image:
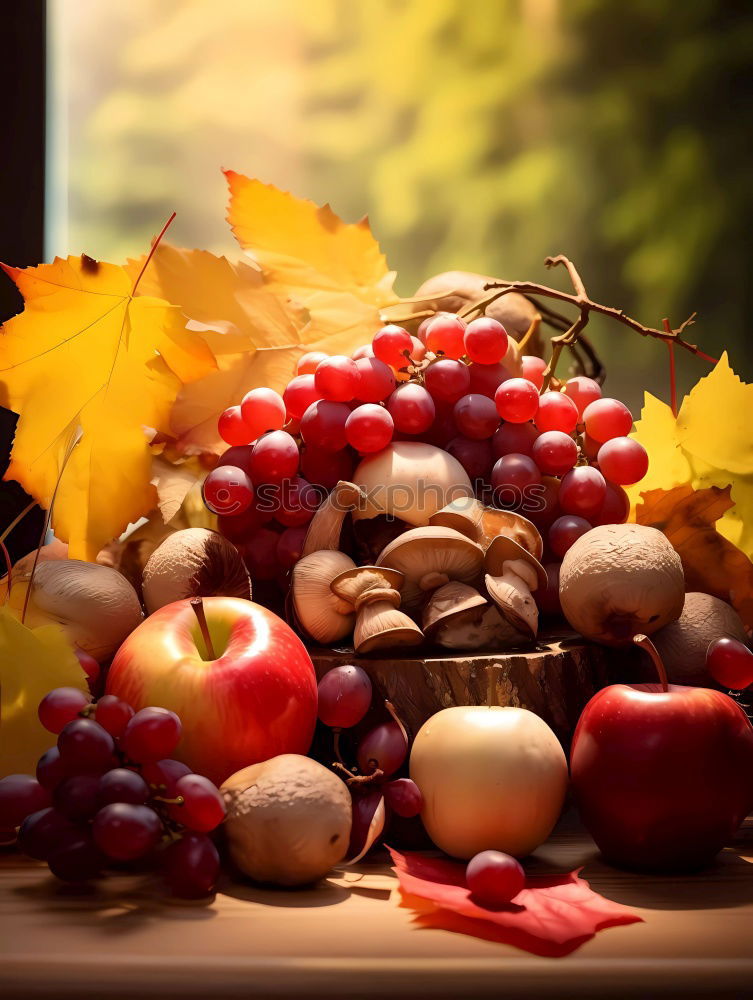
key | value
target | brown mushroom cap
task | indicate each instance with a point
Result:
(453, 599)
(483, 524)
(353, 583)
(430, 557)
(504, 549)
(321, 613)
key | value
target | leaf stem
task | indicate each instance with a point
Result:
(155, 243)
(17, 519)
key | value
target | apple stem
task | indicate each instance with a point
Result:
(198, 606)
(491, 689)
(645, 643)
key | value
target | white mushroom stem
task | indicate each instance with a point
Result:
(512, 594)
(326, 524)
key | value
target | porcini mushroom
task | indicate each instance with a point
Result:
(95, 605)
(512, 574)
(458, 617)
(429, 558)
(482, 524)
(326, 524)
(683, 643)
(321, 613)
(374, 593)
(619, 580)
(410, 480)
(193, 562)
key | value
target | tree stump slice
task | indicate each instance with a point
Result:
(554, 680)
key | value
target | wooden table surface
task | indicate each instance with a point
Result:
(123, 938)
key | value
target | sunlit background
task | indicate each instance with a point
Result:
(480, 134)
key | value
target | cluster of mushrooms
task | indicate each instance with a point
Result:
(463, 581)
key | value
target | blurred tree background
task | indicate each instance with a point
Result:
(480, 134)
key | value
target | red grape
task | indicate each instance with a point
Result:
(203, 808)
(542, 503)
(308, 363)
(590, 448)
(61, 706)
(730, 663)
(384, 747)
(50, 769)
(262, 410)
(443, 429)
(238, 455)
(485, 341)
(533, 369)
(20, 796)
(447, 380)
(90, 667)
(151, 734)
(228, 490)
(124, 831)
(476, 416)
(44, 831)
(566, 530)
(364, 351)
(475, 456)
(615, 508)
(275, 458)
(237, 528)
(323, 425)
(554, 452)
(163, 775)
(113, 714)
(298, 502)
(336, 379)
(494, 878)
(423, 328)
(290, 546)
(517, 400)
(76, 797)
(623, 461)
(376, 380)
(445, 335)
(392, 344)
(606, 419)
(344, 696)
(411, 408)
(85, 747)
(191, 866)
(76, 860)
(121, 785)
(300, 394)
(326, 468)
(369, 428)
(232, 427)
(259, 553)
(403, 797)
(548, 597)
(512, 476)
(582, 491)
(514, 438)
(556, 412)
(486, 379)
(582, 391)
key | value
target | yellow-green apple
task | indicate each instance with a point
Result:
(250, 696)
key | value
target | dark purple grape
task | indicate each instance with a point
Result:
(50, 769)
(124, 831)
(20, 796)
(151, 734)
(61, 706)
(85, 747)
(344, 696)
(384, 747)
(121, 785)
(403, 797)
(78, 860)
(76, 797)
(163, 775)
(43, 831)
(191, 866)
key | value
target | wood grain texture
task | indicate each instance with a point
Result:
(555, 680)
(344, 939)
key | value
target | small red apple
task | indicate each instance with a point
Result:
(662, 774)
(251, 697)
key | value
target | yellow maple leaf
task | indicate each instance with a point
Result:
(88, 361)
(335, 269)
(709, 444)
(255, 335)
(32, 662)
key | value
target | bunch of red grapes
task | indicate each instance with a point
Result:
(109, 793)
(560, 457)
(345, 695)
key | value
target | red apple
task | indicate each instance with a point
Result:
(251, 698)
(662, 774)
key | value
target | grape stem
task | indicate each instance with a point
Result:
(645, 643)
(391, 709)
(585, 305)
(177, 801)
(198, 607)
(336, 745)
(357, 779)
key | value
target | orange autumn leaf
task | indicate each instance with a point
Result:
(712, 564)
(89, 367)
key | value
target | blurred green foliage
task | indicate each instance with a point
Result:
(480, 134)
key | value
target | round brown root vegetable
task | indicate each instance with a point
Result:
(194, 562)
(683, 643)
(288, 820)
(621, 579)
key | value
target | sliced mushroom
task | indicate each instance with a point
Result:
(512, 574)
(321, 613)
(326, 524)
(459, 617)
(374, 593)
(483, 524)
(429, 558)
